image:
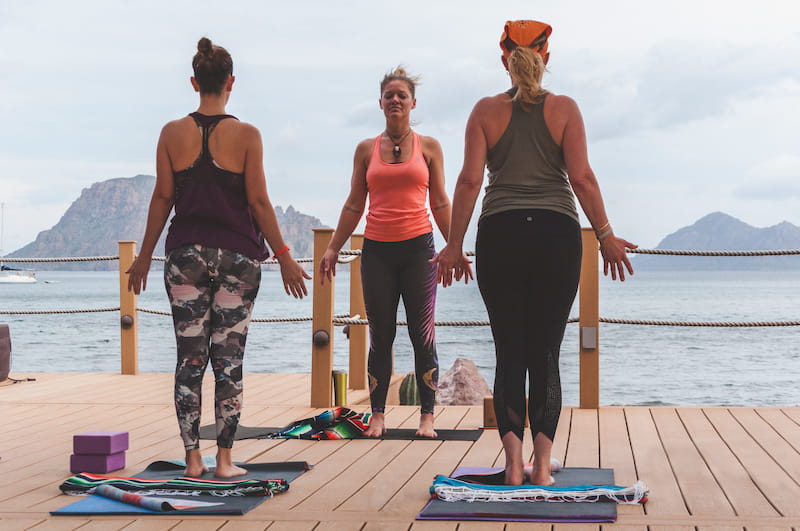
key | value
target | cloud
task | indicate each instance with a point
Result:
(776, 179)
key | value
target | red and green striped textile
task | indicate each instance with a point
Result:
(338, 423)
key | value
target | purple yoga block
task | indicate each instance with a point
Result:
(100, 442)
(98, 464)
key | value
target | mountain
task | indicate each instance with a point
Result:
(116, 209)
(717, 232)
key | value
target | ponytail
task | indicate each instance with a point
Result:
(526, 68)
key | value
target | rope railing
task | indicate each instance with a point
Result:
(357, 252)
(777, 252)
(348, 255)
(50, 312)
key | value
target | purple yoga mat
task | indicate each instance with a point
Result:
(526, 511)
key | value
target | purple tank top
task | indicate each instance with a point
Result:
(211, 204)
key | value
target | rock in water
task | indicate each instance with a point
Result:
(462, 385)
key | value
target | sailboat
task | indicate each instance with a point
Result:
(11, 275)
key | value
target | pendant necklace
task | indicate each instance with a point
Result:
(396, 151)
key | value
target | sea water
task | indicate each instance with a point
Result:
(639, 365)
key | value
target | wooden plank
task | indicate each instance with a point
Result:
(583, 449)
(150, 524)
(287, 525)
(435, 525)
(774, 443)
(375, 493)
(733, 479)
(413, 496)
(616, 453)
(18, 524)
(781, 490)
(652, 465)
(698, 485)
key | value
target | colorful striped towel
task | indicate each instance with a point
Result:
(337, 423)
(86, 483)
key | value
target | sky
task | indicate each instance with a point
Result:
(691, 107)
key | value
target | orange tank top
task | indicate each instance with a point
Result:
(397, 196)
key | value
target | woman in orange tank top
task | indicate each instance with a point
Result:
(400, 171)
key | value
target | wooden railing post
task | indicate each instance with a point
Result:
(589, 334)
(322, 329)
(128, 320)
(359, 334)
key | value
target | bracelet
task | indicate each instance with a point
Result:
(604, 226)
(284, 250)
(605, 234)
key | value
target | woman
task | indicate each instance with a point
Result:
(399, 170)
(528, 248)
(209, 167)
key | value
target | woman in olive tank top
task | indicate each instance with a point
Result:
(528, 247)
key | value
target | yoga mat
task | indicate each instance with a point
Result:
(529, 511)
(97, 504)
(244, 432)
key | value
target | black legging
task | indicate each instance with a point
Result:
(390, 270)
(528, 265)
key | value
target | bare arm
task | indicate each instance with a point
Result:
(264, 214)
(587, 190)
(352, 211)
(468, 188)
(161, 203)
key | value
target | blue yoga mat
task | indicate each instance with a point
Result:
(96, 504)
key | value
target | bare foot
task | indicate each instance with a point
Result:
(514, 476)
(194, 464)
(228, 471)
(376, 426)
(530, 473)
(545, 480)
(426, 426)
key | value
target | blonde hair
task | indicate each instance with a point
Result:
(526, 68)
(400, 74)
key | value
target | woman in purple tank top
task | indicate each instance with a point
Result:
(209, 168)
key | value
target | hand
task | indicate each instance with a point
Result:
(615, 256)
(451, 259)
(293, 275)
(327, 266)
(137, 273)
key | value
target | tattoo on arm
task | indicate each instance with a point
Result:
(439, 207)
(351, 209)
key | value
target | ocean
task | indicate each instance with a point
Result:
(640, 365)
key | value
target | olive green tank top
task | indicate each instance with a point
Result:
(526, 168)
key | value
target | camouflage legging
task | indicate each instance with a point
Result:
(211, 292)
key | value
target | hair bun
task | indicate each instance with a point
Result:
(204, 46)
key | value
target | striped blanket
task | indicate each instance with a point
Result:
(86, 483)
(337, 423)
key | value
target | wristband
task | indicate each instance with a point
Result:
(605, 234)
(284, 250)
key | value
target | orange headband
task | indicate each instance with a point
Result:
(530, 33)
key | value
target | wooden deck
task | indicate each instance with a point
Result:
(707, 468)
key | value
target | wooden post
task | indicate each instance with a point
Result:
(128, 320)
(359, 334)
(322, 329)
(589, 331)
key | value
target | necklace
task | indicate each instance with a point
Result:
(396, 151)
